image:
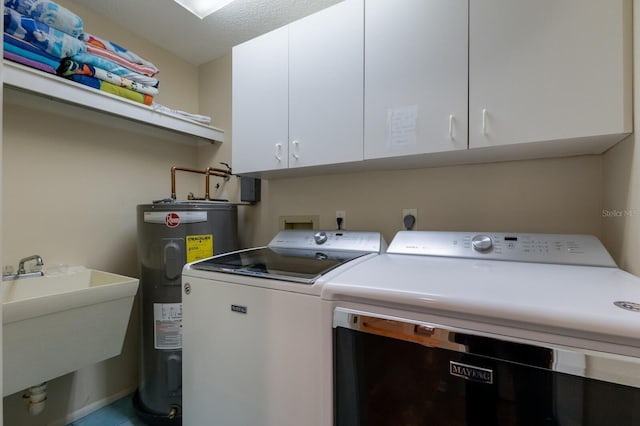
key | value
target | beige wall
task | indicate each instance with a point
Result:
(621, 165)
(621, 205)
(70, 194)
(215, 100)
(556, 195)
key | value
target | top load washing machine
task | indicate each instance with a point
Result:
(256, 341)
(456, 328)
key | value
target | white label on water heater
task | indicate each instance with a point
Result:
(184, 217)
(167, 318)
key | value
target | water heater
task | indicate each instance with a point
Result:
(171, 234)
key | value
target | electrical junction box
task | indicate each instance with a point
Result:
(250, 189)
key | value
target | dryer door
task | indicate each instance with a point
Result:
(395, 372)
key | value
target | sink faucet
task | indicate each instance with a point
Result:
(36, 271)
(38, 266)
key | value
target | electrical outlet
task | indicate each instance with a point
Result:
(406, 220)
(342, 215)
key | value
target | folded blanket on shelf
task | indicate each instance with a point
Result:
(28, 62)
(69, 67)
(86, 80)
(49, 13)
(142, 69)
(107, 65)
(112, 88)
(202, 119)
(120, 51)
(49, 39)
(23, 45)
(28, 54)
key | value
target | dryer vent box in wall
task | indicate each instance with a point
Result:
(249, 189)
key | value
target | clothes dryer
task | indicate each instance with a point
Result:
(455, 328)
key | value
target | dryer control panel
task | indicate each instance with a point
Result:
(540, 248)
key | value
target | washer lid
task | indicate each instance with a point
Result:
(301, 266)
(300, 256)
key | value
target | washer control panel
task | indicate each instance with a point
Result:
(370, 242)
(540, 248)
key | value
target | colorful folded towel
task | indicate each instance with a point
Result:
(70, 67)
(142, 69)
(28, 62)
(49, 13)
(119, 51)
(112, 88)
(27, 54)
(23, 45)
(107, 65)
(49, 39)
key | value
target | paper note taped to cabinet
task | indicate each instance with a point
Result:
(401, 126)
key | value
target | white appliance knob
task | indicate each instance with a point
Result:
(320, 237)
(482, 243)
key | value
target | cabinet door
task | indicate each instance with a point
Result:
(325, 86)
(260, 103)
(415, 77)
(547, 69)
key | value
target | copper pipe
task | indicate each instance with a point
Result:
(209, 171)
(212, 171)
(173, 177)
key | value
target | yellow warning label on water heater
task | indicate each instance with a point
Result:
(199, 247)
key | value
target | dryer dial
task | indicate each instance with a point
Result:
(481, 243)
(320, 237)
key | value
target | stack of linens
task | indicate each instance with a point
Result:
(44, 35)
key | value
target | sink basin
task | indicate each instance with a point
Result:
(61, 322)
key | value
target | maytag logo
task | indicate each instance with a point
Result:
(470, 372)
(238, 308)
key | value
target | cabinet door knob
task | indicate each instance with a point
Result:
(279, 151)
(484, 121)
(296, 147)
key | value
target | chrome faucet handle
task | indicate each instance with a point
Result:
(37, 267)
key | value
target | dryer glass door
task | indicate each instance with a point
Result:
(391, 372)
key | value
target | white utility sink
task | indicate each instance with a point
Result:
(61, 322)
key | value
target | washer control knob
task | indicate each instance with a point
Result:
(320, 237)
(481, 243)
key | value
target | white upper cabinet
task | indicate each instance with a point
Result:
(416, 73)
(260, 110)
(325, 86)
(546, 70)
(297, 93)
(411, 83)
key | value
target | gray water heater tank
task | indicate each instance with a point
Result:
(170, 235)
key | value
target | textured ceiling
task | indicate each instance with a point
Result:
(198, 41)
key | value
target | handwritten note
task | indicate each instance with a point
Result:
(401, 126)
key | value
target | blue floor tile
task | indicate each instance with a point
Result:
(118, 413)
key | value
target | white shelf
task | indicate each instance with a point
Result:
(27, 86)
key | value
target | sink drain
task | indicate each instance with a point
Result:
(629, 306)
